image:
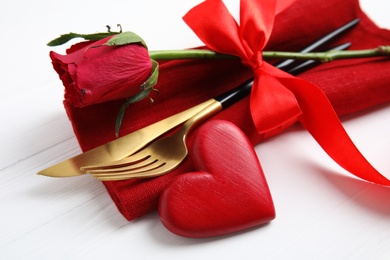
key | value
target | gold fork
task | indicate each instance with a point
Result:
(164, 154)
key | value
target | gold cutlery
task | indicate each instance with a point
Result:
(121, 147)
(164, 154)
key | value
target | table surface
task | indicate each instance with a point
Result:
(322, 211)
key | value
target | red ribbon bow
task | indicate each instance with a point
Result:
(277, 98)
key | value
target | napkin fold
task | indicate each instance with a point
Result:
(350, 85)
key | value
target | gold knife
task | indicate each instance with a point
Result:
(121, 147)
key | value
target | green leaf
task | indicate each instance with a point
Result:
(137, 97)
(64, 38)
(125, 38)
(152, 80)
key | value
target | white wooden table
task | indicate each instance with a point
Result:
(322, 212)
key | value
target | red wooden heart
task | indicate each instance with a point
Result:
(228, 192)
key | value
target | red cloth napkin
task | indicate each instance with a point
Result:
(351, 85)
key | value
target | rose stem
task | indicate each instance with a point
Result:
(320, 56)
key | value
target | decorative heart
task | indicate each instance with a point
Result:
(228, 192)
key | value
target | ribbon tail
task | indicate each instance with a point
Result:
(272, 105)
(320, 119)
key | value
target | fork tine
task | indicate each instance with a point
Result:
(164, 168)
(148, 163)
(132, 159)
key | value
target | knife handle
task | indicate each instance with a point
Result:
(318, 45)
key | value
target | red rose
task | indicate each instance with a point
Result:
(94, 73)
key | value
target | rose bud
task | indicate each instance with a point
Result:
(94, 72)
